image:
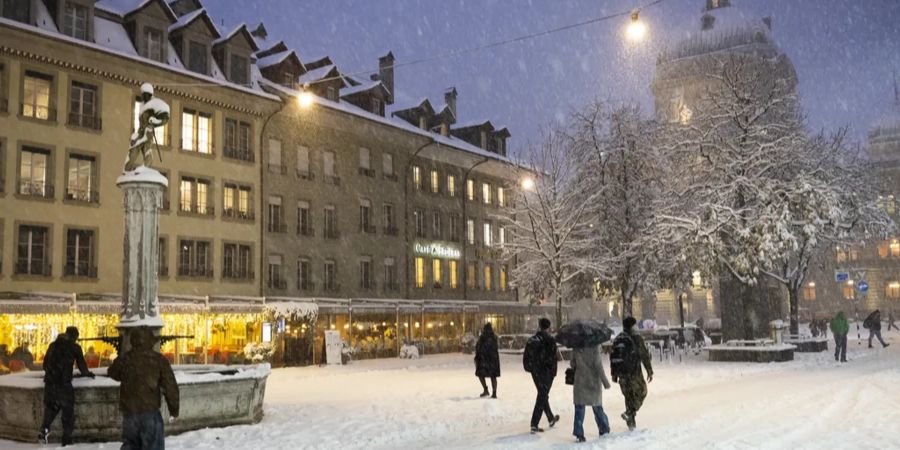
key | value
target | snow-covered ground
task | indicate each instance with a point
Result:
(432, 403)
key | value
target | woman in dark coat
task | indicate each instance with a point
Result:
(487, 359)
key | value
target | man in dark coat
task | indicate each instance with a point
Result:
(873, 323)
(143, 373)
(542, 361)
(59, 395)
(487, 359)
(634, 389)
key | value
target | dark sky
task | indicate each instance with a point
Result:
(844, 50)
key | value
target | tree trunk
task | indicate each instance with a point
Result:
(794, 304)
(627, 296)
(558, 293)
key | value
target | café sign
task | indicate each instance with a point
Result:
(437, 250)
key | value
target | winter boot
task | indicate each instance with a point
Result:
(554, 421)
(485, 394)
(579, 439)
(494, 395)
(536, 430)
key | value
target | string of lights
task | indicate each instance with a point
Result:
(636, 31)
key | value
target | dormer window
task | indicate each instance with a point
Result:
(198, 60)
(377, 106)
(20, 11)
(75, 21)
(287, 80)
(239, 70)
(152, 44)
(331, 93)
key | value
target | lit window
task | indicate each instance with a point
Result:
(470, 231)
(451, 185)
(696, 279)
(487, 234)
(36, 101)
(849, 290)
(892, 290)
(420, 273)
(486, 193)
(501, 197)
(488, 271)
(417, 177)
(435, 182)
(503, 285)
(454, 275)
(895, 248)
(470, 189)
(809, 291)
(196, 131)
(436, 273)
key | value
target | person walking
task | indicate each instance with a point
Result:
(839, 328)
(890, 321)
(629, 352)
(540, 359)
(59, 395)
(487, 360)
(143, 373)
(873, 323)
(590, 380)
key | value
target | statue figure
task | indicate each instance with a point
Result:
(153, 113)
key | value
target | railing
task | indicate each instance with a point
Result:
(370, 229)
(91, 122)
(237, 274)
(333, 179)
(80, 270)
(305, 231)
(332, 234)
(305, 175)
(277, 168)
(306, 286)
(24, 268)
(36, 189)
(276, 227)
(241, 154)
(38, 112)
(237, 214)
(193, 209)
(390, 231)
(277, 283)
(83, 195)
(196, 272)
(367, 172)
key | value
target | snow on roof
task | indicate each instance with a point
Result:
(187, 19)
(362, 87)
(273, 59)
(230, 34)
(473, 124)
(120, 7)
(316, 74)
(174, 61)
(112, 35)
(43, 19)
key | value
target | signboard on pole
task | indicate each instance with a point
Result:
(841, 276)
(862, 287)
(333, 346)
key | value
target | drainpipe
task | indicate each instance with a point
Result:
(465, 218)
(262, 195)
(407, 180)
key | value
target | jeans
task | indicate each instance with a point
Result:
(599, 417)
(60, 397)
(143, 431)
(542, 402)
(875, 333)
(840, 347)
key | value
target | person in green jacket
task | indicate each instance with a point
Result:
(840, 327)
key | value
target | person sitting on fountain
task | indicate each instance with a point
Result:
(143, 372)
(153, 113)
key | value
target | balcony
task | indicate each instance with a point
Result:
(195, 271)
(38, 112)
(276, 227)
(240, 154)
(306, 286)
(390, 230)
(277, 168)
(37, 268)
(199, 210)
(39, 189)
(305, 231)
(368, 229)
(367, 172)
(332, 234)
(237, 274)
(90, 122)
(305, 175)
(80, 270)
(277, 283)
(332, 179)
(233, 213)
(82, 195)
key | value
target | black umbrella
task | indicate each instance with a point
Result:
(583, 333)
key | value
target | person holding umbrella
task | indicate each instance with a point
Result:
(587, 363)
(487, 359)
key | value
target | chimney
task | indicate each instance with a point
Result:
(450, 99)
(386, 75)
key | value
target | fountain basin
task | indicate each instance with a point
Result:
(211, 396)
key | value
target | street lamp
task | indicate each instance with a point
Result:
(528, 184)
(305, 98)
(636, 29)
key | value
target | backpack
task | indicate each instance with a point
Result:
(533, 350)
(624, 360)
(867, 323)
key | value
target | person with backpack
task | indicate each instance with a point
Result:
(540, 359)
(873, 323)
(59, 395)
(628, 353)
(487, 360)
(840, 327)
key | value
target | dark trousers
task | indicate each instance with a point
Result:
(634, 388)
(840, 347)
(143, 431)
(60, 397)
(876, 332)
(542, 383)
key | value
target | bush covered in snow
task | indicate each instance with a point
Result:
(258, 353)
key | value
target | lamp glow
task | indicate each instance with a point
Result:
(305, 99)
(636, 29)
(528, 184)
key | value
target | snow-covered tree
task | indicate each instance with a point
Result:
(621, 171)
(548, 224)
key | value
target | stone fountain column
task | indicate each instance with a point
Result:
(143, 190)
